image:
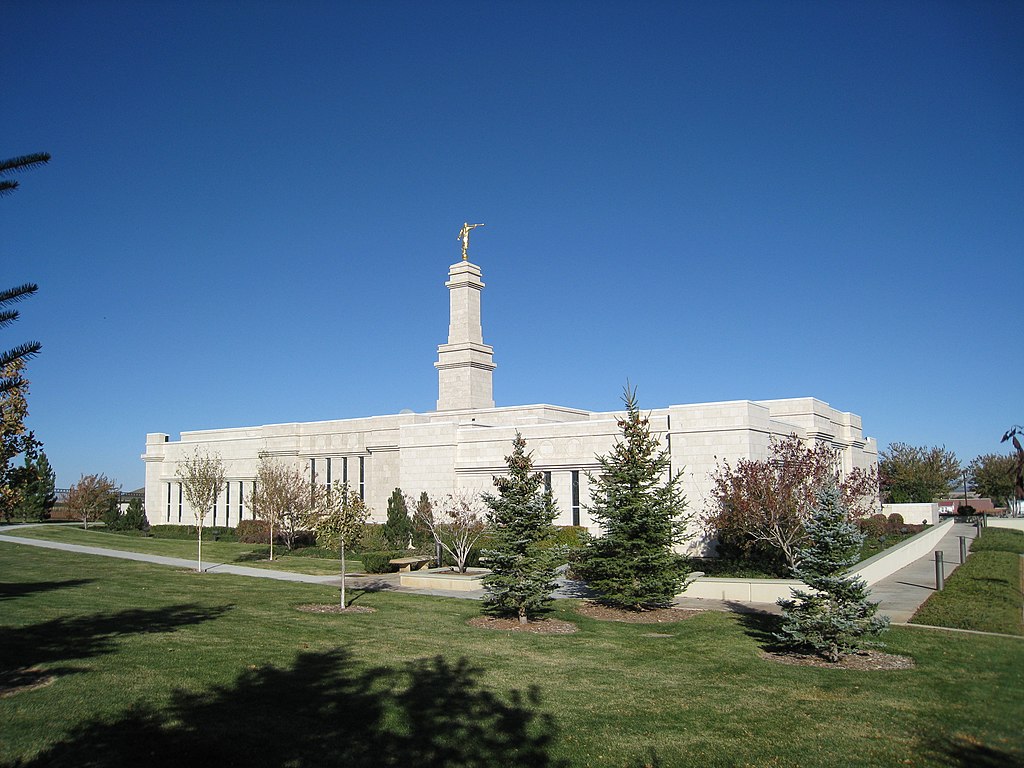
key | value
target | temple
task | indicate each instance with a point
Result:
(462, 444)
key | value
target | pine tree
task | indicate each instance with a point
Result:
(397, 530)
(29, 349)
(834, 619)
(40, 493)
(522, 557)
(637, 501)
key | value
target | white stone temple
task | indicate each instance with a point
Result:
(463, 443)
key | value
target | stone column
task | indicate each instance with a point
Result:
(465, 363)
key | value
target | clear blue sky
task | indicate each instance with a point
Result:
(252, 207)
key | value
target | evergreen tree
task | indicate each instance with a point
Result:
(397, 531)
(834, 619)
(29, 349)
(40, 493)
(637, 501)
(421, 536)
(522, 557)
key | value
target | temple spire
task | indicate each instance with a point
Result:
(464, 365)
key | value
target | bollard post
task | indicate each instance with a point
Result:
(963, 549)
(977, 524)
(437, 553)
(940, 577)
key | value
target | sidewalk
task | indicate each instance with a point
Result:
(899, 595)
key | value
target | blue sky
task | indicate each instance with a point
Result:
(252, 206)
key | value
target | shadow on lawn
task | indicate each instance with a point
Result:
(10, 591)
(759, 625)
(324, 711)
(86, 636)
(965, 752)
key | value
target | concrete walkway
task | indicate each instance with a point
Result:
(899, 595)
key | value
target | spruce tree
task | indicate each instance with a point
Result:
(397, 530)
(522, 557)
(638, 503)
(834, 619)
(40, 493)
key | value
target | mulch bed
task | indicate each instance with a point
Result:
(600, 612)
(538, 627)
(334, 608)
(865, 660)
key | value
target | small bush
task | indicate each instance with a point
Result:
(570, 536)
(874, 526)
(188, 532)
(895, 522)
(377, 562)
(373, 539)
(252, 532)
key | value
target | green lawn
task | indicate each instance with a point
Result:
(254, 555)
(159, 667)
(985, 592)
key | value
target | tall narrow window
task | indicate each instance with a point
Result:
(168, 502)
(547, 482)
(241, 493)
(214, 511)
(181, 496)
(575, 497)
(362, 477)
(344, 470)
(227, 503)
(312, 471)
(328, 470)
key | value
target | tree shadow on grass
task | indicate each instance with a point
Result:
(759, 625)
(964, 752)
(324, 711)
(12, 591)
(83, 637)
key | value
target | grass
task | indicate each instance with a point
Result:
(985, 593)
(252, 555)
(159, 667)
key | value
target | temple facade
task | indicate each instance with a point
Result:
(462, 444)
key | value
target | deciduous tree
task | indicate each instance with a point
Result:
(15, 440)
(992, 476)
(522, 556)
(1018, 471)
(641, 510)
(834, 616)
(202, 480)
(909, 473)
(455, 522)
(768, 501)
(284, 498)
(91, 497)
(339, 521)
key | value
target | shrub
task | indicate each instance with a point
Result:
(895, 522)
(377, 562)
(188, 532)
(874, 526)
(252, 532)
(373, 538)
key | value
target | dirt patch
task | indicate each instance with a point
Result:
(862, 661)
(17, 681)
(538, 627)
(600, 612)
(334, 608)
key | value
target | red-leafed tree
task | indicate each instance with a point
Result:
(767, 502)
